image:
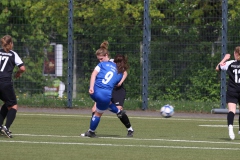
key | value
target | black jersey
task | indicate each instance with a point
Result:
(7, 63)
(233, 70)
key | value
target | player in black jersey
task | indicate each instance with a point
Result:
(233, 89)
(8, 60)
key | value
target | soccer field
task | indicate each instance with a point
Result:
(38, 136)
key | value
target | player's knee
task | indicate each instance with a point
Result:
(121, 114)
(120, 107)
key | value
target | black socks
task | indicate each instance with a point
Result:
(3, 114)
(230, 118)
(124, 119)
(10, 117)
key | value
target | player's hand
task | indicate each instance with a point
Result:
(91, 91)
(119, 84)
(17, 75)
(222, 63)
(227, 56)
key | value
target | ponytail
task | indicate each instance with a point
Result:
(103, 50)
(6, 42)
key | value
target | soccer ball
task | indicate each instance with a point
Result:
(167, 111)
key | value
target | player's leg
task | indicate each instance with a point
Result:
(118, 98)
(126, 122)
(102, 99)
(93, 109)
(11, 115)
(239, 122)
(95, 119)
(232, 100)
(99, 111)
(4, 110)
(230, 119)
(12, 111)
(3, 114)
(11, 102)
(238, 117)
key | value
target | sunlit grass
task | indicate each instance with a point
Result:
(55, 136)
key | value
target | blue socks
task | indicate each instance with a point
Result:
(113, 108)
(95, 120)
(94, 123)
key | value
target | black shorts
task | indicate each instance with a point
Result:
(233, 97)
(7, 94)
(118, 96)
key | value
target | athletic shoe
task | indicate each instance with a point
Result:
(5, 131)
(238, 132)
(2, 133)
(231, 133)
(89, 134)
(130, 133)
(121, 113)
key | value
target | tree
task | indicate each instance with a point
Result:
(182, 34)
(33, 25)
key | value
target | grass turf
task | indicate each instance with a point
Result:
(56, 136)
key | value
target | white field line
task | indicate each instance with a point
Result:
(133, 139)
(119, 145)
(220, 126)
(142, 118)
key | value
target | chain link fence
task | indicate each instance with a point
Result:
(185, 46)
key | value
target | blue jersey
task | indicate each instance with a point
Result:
(107, 76)
(106, 79)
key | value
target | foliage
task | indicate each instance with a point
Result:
(39, 24)
(204, 89)
(184, 42)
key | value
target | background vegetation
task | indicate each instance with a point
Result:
(185, 47)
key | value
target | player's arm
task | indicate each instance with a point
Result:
(125, 74)
(92, 81)
(21, 69)
(226, 57)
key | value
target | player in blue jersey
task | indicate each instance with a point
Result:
(8, 60)
(119, 92)
(233, 89)
(104, 78)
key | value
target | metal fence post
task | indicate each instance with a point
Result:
(146, 47)
(70, 54)
(224, 50)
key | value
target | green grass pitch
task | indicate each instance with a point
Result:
(40, 136)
